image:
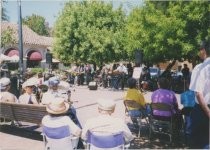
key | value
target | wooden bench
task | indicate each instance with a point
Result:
(22, 112)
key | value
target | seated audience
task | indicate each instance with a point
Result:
(28, 97)
(165, 95)
(54, 92)
(134, 94)
(105, 123)
(57, 119)
(5, 95)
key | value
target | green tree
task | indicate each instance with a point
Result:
(7, 38)
(168, 31)
(37, 24)
(90, 31)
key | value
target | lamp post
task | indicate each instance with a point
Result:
(20, 41)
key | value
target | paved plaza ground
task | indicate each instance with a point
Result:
(86, 106)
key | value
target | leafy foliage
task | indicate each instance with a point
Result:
(7, 37)
(90, 31)
(37, 24)
(168, 30)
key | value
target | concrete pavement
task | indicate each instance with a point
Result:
(86, 108)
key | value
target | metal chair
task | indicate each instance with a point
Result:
(137, 120)
(59, 138)
(158, 124)
(112, 141)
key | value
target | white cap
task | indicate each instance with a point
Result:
(106, 104)
(30, 82)
(4, 82)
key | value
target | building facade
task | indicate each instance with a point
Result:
(35, 46)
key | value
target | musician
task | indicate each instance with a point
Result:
(121, 72)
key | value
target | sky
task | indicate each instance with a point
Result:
(49, 9)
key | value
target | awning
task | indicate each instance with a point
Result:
(13, 52)
(35, 56)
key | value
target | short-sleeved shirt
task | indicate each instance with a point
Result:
(167, 97)
(105, 124)
(122, 69)
(194, 78)
(56, 122)
(136, 95)
(24, 98)
(203, 81)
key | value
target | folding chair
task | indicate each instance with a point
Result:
(161, 125)
(137, 120)
(112, 141)
(59, 138)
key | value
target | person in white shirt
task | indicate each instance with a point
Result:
(54, 92)
(201, 111)
(28, 97)
(58, 121)
(122, 72)
(105, 123)
(5, 95)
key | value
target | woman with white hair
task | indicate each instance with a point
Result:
(5, 95)
(105, 123)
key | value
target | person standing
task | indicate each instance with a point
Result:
(123, 71)
(200, 83)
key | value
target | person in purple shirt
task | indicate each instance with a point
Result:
(165, 95)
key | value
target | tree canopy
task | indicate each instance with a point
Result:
(168, 30)
(7, 38)
(93, 31)
(90, 31)
(37, 24)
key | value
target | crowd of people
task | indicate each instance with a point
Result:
(195, 99)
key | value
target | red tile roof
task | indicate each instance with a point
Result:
(29, 36)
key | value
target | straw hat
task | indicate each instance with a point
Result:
(106, 104)
(57, 106)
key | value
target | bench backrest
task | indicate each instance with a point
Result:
(22, 112)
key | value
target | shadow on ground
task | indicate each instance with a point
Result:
(23, 131)
(157, 141)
